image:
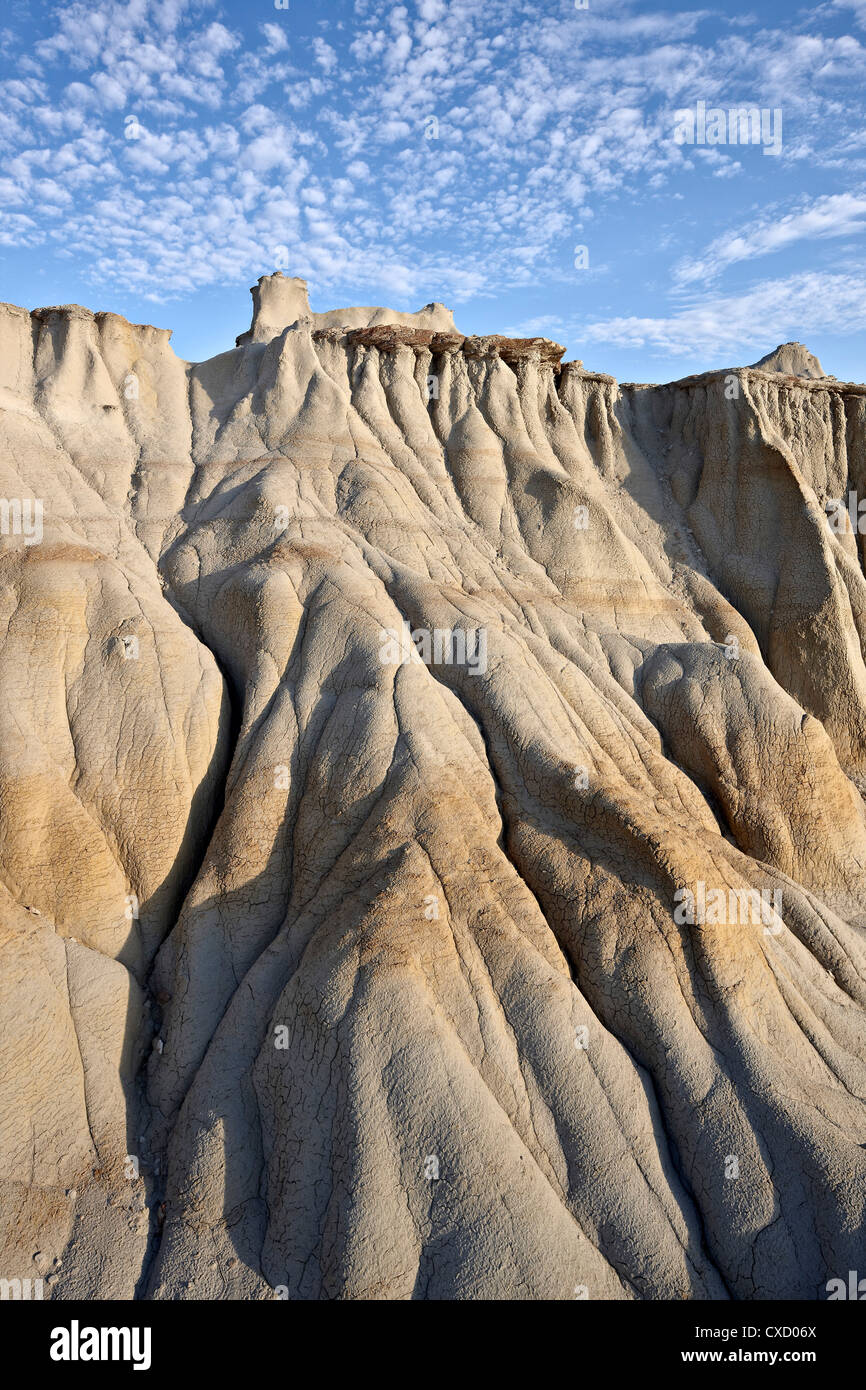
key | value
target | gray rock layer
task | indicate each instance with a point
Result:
(791, 359)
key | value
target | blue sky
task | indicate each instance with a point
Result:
(157, 156)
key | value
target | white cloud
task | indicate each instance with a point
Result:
(834, 215)
(268, 151)
(275, 38)
(324, 55)
(773, 312)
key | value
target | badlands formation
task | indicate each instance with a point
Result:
(431, 817)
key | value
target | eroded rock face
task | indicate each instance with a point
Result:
(280, 301)
(518, 957)
(791, 359)
(389, 337)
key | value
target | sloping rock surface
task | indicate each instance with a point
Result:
(791, 359)
(375, 702)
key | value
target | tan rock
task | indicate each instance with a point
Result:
(438, 957)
